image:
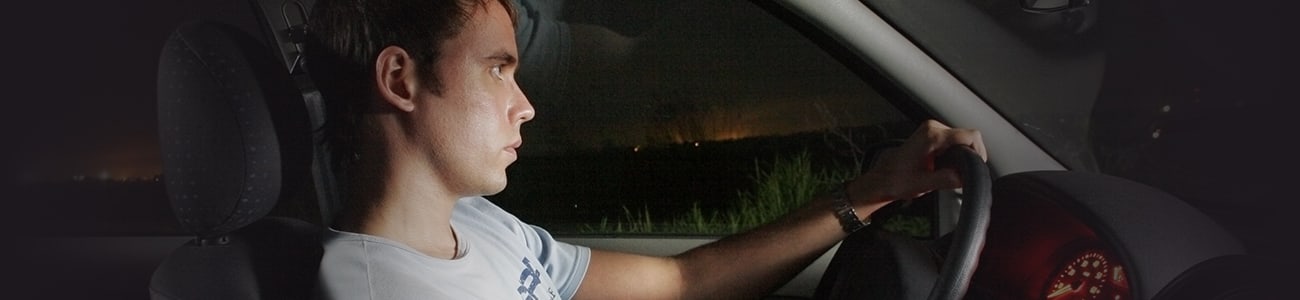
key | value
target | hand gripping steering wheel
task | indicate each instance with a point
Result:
(875, 263)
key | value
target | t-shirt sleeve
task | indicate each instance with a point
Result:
(565, 263)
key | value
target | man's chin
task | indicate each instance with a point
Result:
(496, 188)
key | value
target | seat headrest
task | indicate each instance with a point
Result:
(233, 128)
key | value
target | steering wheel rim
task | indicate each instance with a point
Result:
(967, 240)
(973, 224)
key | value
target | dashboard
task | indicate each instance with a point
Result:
(1092, 273)
(1078, 235)
(1065, 235)
(1040, 250)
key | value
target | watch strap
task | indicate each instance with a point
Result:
(848, 217)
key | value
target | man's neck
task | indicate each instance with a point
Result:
(415, 210)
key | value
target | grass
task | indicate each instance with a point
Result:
(779, 187)
(915, 226)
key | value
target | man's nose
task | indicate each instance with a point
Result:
(523, 109)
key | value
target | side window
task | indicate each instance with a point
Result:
(697, 121)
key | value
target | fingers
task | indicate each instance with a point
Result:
(969, 138)
(941, 137)
(933, 134)
(908, 171)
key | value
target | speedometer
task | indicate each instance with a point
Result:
(1090, 274)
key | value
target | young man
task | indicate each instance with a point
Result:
(424, 118)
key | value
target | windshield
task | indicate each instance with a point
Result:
(1178, 96)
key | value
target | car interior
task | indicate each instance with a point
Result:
(236, 138)
(247, 180)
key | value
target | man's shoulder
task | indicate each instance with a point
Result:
(478, 209)
(482, 220)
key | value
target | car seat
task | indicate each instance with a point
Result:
(236, 141)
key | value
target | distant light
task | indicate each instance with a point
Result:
(697, 144)
(104, 175)
(1155, 134)
(1166, 108)
(636, 149)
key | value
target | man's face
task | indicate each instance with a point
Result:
(471, 131)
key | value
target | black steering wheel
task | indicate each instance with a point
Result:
(873, 264)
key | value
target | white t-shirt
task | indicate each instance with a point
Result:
(499, 257)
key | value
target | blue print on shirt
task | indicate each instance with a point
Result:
(528, 281)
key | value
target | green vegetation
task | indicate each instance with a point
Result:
(783, 185)
(779, 187)
(915, 226)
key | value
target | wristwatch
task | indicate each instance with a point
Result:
(849, 220)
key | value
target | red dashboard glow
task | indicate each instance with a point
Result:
(1091, 274)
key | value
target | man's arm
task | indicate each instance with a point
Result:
(752, 264)
(746, 265)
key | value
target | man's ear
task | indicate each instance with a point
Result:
(395, 78)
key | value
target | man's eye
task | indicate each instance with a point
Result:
(496, 72)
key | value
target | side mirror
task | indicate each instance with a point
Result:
(1047, 6)
(1077, 16)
